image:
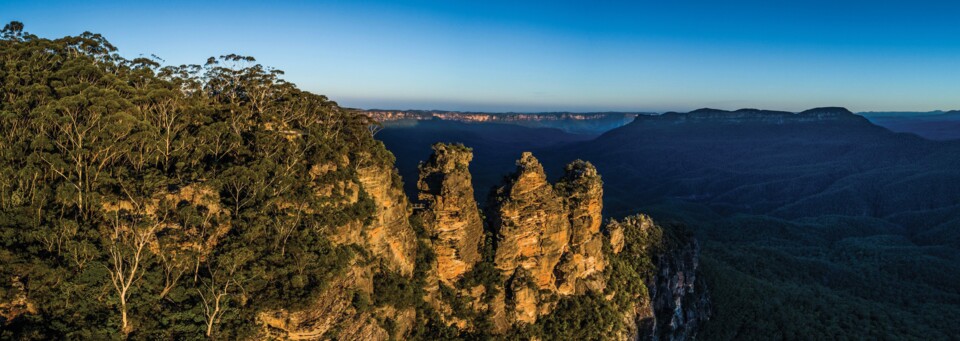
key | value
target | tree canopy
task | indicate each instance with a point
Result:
(153, 201)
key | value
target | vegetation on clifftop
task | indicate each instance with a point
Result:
(165, 202)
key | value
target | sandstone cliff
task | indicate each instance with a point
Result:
(335, 314)
(576, 123)
(450, 216)
(550, 246)
(532, 225)
(582, 267)
(390, 235)
(680, 301)
(677, 300)
(340, 310)
(533, 233)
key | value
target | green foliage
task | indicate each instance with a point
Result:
(168, 202)
(584, 317)
(827, 278)
(360, 301)
(484, 273)
(429, 326)
(392, 288)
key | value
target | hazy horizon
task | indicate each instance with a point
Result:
(646, 111)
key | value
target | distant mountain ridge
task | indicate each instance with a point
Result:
(589, 123)
(595, 123)
(480, 116)
(756, 115)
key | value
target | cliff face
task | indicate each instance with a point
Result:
(394, 115)
(334, 315)
(390, 235)
(532, 225)
(533, 233)
(549, 246)
(552, 232)
(677, 301)
(389, 240)
(582, 267)
(450, 216)
(680, 301)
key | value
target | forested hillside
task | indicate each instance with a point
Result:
(166, 201)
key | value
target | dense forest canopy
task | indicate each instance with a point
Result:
(155, 201)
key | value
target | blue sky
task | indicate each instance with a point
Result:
(556, 55)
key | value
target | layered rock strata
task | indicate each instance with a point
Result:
(548, 245)
(582, 267)
(450, 216)
(548, 236)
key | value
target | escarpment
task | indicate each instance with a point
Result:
(680, 300)
(546, 250)
(344, 307)
(677, 301)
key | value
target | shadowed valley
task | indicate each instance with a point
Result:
(816, 224)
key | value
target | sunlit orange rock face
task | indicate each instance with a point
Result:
(390, 236)
(547, 246)
(548, 236)
(451, 216)
(581, 268)
(532, 225)
(333, 313)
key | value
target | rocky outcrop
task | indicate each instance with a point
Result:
(387, 239)
(582, 267)
(18, 304)
(533, 233)
(549, 247)
(332, 309)
(335, 314)
(641, 226)
(450, 216)
(615, 234)
(549, 241)
(532, 225)
(390, 236)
